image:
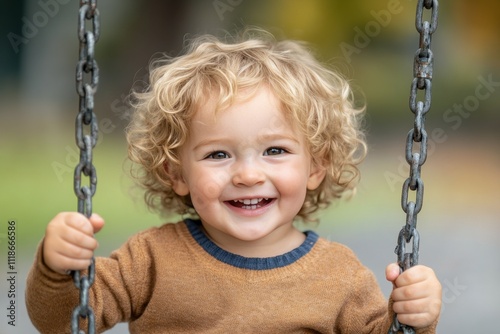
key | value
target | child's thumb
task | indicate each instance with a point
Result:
(392, 272)
(97, 222)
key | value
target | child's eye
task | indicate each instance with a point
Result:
(217, 155)
(274, 151)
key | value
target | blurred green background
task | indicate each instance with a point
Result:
(371, 42)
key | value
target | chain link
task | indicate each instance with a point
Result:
(409, 239)
(86, 131)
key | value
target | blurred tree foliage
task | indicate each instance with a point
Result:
(372, 42)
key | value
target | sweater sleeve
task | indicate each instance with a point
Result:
(366, 309)
(48, 296)
(119, 293)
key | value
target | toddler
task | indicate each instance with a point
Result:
(241, 138)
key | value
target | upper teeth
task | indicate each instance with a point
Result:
(250, 201)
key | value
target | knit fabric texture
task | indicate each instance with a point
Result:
(174, 279)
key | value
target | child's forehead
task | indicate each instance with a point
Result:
(215, 103)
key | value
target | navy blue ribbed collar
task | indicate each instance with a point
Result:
(253, 263)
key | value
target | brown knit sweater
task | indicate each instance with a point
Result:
(173, 279)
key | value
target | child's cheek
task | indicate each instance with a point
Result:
(292, 187)
(207, 187)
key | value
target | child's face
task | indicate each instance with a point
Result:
(247, 170)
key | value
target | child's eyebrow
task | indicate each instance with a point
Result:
(264, 137)
(278, 136)
(211, 141)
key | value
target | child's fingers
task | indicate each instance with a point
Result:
(417, 320)
(85, 230)
(410, 292)
(79, 240)
(89, 226)
(71, 229)
(65, 264)
(79, 222)
(417, 312)
(412, 275)
(61, 256)
(76, 252)
(415, 306)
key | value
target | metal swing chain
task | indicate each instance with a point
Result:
(86, 130)
(422, 80)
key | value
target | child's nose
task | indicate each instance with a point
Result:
(248, 173)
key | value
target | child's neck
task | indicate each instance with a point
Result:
(276, 244)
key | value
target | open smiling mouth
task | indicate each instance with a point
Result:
(250, 204)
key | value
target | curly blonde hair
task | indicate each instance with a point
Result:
(316, 99)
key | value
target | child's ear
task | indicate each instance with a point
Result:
(178, 184)
(316, 176)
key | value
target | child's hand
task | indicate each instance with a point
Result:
(69, 242)
(416, 295)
